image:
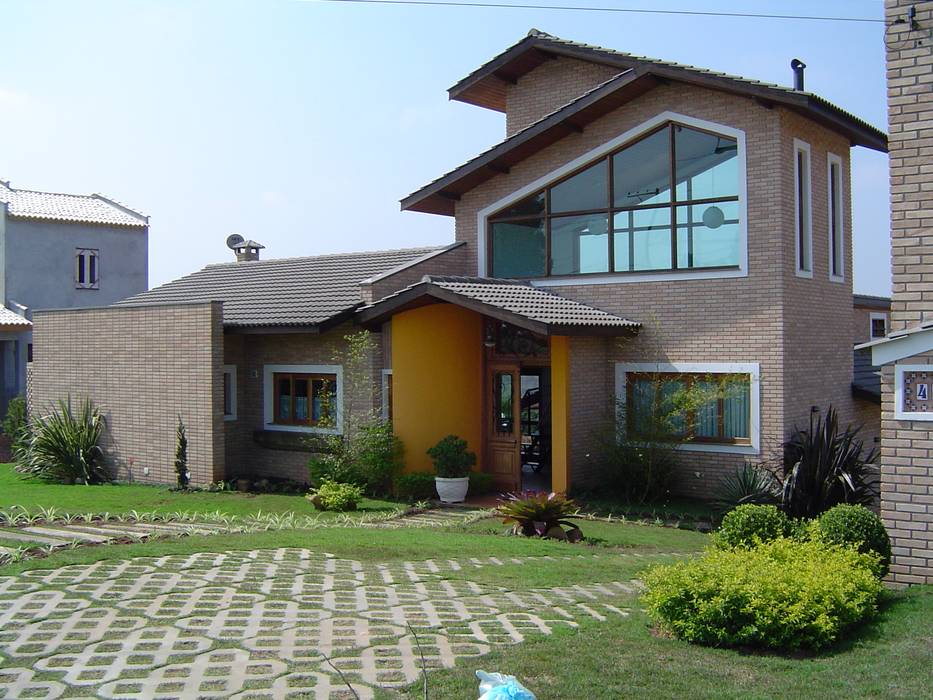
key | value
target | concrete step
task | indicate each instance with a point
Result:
(32, 538)
(64, 533)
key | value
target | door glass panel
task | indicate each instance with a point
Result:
(586, 190)
(503, 402)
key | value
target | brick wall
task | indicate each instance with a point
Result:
(907, 458)
(250, 353)
(453, 261)
(143, 367)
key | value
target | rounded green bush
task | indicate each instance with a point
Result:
(857, 526)
(332, 495)
(749, 524)
(782, 594)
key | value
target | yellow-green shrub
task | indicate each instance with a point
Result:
(750, 524)
(782, 594)
(332, 495)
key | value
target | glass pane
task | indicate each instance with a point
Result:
(325, 396)
(642, 239)
(301, 400)
(228, 408)
(80, 276)
(707, 165)
(586, 190)
(643, 394)
(669, 415)
(708, 235)
(503, 399)
(92, 269)
(641, 174)
(736, 411)
(707, 415)
(835, 219)
(530, 206)
(518, 249)
(285, 398)
(579, 244)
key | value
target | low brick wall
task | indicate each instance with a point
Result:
(143, 367)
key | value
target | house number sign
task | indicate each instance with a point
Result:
(913, 391)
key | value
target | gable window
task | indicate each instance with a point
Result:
(229, 392)
(878, 325)
(668, 201)
(836, 233)
(87, 268)
(802, 211)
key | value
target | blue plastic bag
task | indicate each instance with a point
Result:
(498, 686)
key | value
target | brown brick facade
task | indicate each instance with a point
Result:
(907, 446)
(143, 367)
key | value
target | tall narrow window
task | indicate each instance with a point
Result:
(803, 216)
(229, 392)
(87, 268)
(836, 228)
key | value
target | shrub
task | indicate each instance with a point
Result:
(824, 466)
(371, 459)
(451, 458)
(481, 482)
(635, 471)
(332, 495)
(64, 447)
(417, 486)
(748, 484)
(858, 527)
(750, 524)
(182, 475)
(781, 595)
(16, 425)
(540, 514)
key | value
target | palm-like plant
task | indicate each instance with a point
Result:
(748, 484)
(824, 466)
(533, 513)
(64, 446)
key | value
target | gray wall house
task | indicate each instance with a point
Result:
(61, 251)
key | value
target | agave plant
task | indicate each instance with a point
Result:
(64, 446)
(824, 466)
(747, 484)
(539, 514)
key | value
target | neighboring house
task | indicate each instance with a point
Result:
(871, 318)
(643, 226)
(61, 251)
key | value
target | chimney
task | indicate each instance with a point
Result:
(798, 67)
(245, 250)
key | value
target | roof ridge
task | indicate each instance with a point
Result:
(322, 256)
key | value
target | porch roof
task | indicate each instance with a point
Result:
(515, 302)
(12, 321)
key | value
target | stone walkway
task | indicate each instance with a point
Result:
(256, 624)
(438, 517)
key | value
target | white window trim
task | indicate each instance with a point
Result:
(750, 368)
(632, 134)
(874, 316)
(831, 160)
(803, 147)
(88, 253)
(386, 373)
(899, 412)
(268, 395)
(231, 371)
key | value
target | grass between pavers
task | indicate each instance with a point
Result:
(890, 657)
(33, 494)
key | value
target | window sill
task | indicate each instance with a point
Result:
(718, 448)
(276, 428)
(646, 276)
(837, 280)
(229, 418)
(803, 274)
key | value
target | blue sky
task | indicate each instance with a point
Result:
(301, 124)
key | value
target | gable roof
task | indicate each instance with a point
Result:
(313, 293)
(77, 208)
(12, 320)
(515, 302)
(637, 75)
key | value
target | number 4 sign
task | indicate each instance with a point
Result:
(922, 392)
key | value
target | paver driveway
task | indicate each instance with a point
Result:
(254, 624)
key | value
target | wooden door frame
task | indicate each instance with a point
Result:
(492, 366)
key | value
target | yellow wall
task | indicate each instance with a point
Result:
(437, 380)
(560, 413)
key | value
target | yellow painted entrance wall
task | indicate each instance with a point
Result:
(437, 380)
(560, 414)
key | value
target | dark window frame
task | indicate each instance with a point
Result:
(611, 210)
(689, 378)
(310, 377)
(87, 268)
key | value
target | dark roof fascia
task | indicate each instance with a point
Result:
(435, 198)
(313, 329)
(869, 301)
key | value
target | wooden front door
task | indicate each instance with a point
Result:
(503, 426)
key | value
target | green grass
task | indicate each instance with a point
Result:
(32, 494)
(669, 509)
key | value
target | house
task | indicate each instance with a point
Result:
(61, 251)
(643, 226)
(871, 316)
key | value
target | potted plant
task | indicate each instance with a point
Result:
(452, 463)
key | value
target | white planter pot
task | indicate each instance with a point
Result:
(452, 490)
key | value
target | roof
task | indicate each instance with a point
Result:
(867, 301)
(866, 377)
(637, 74)
(11, 318)
(77, 208)
(907, 342)
(309, 292)
(512, 301)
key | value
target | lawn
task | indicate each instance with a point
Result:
(33, 494)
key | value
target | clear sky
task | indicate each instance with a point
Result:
(301, 124)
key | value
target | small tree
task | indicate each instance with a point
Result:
(182, 475)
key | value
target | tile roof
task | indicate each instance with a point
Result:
(304, 291)
(79, 208)
(543, 308)
(11, 318)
